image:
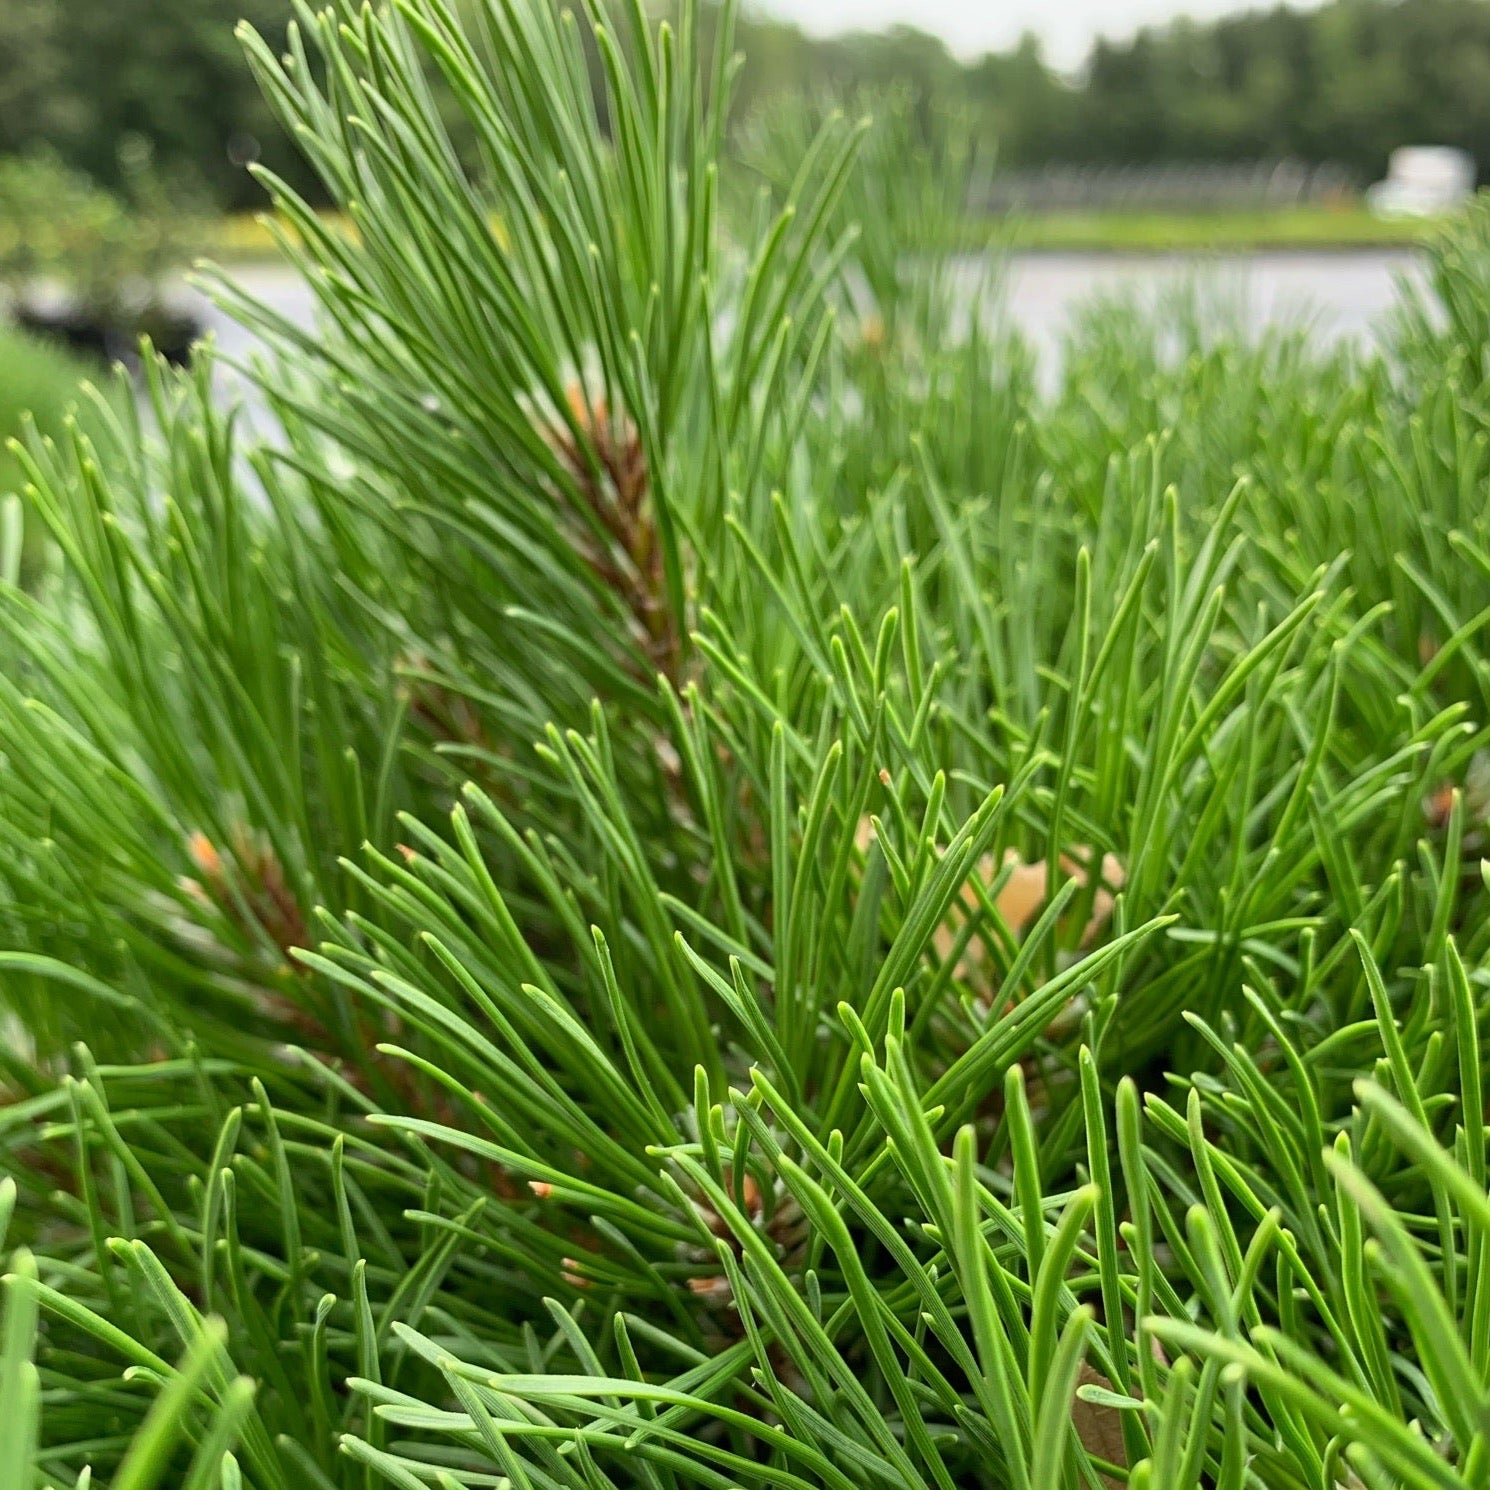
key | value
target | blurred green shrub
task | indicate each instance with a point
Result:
(108, 253)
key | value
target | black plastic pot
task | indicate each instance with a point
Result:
(173, 333)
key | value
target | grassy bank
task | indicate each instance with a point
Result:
(1162, 232)
(245, 239)
(43, 384)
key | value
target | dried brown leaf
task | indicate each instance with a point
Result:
(1099, 1428)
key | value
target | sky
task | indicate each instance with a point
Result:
(1066, 27)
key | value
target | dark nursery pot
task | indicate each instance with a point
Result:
(172, 332)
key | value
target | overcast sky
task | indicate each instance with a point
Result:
(1067, 27)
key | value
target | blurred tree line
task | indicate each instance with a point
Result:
(82, 78)
(1343, 83)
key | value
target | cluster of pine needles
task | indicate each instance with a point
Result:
(672, 871)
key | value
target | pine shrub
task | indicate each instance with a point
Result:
(688, 879)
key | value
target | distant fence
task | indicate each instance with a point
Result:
(1163, 188)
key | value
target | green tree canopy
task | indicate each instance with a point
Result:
(83, 76)
(1344, 83)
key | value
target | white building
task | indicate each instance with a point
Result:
(1423, 181)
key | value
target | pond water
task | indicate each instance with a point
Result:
(1340, 294)
(1335, 294)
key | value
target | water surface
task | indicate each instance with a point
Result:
(1336, 294)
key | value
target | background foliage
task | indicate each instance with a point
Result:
(1344, 83)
